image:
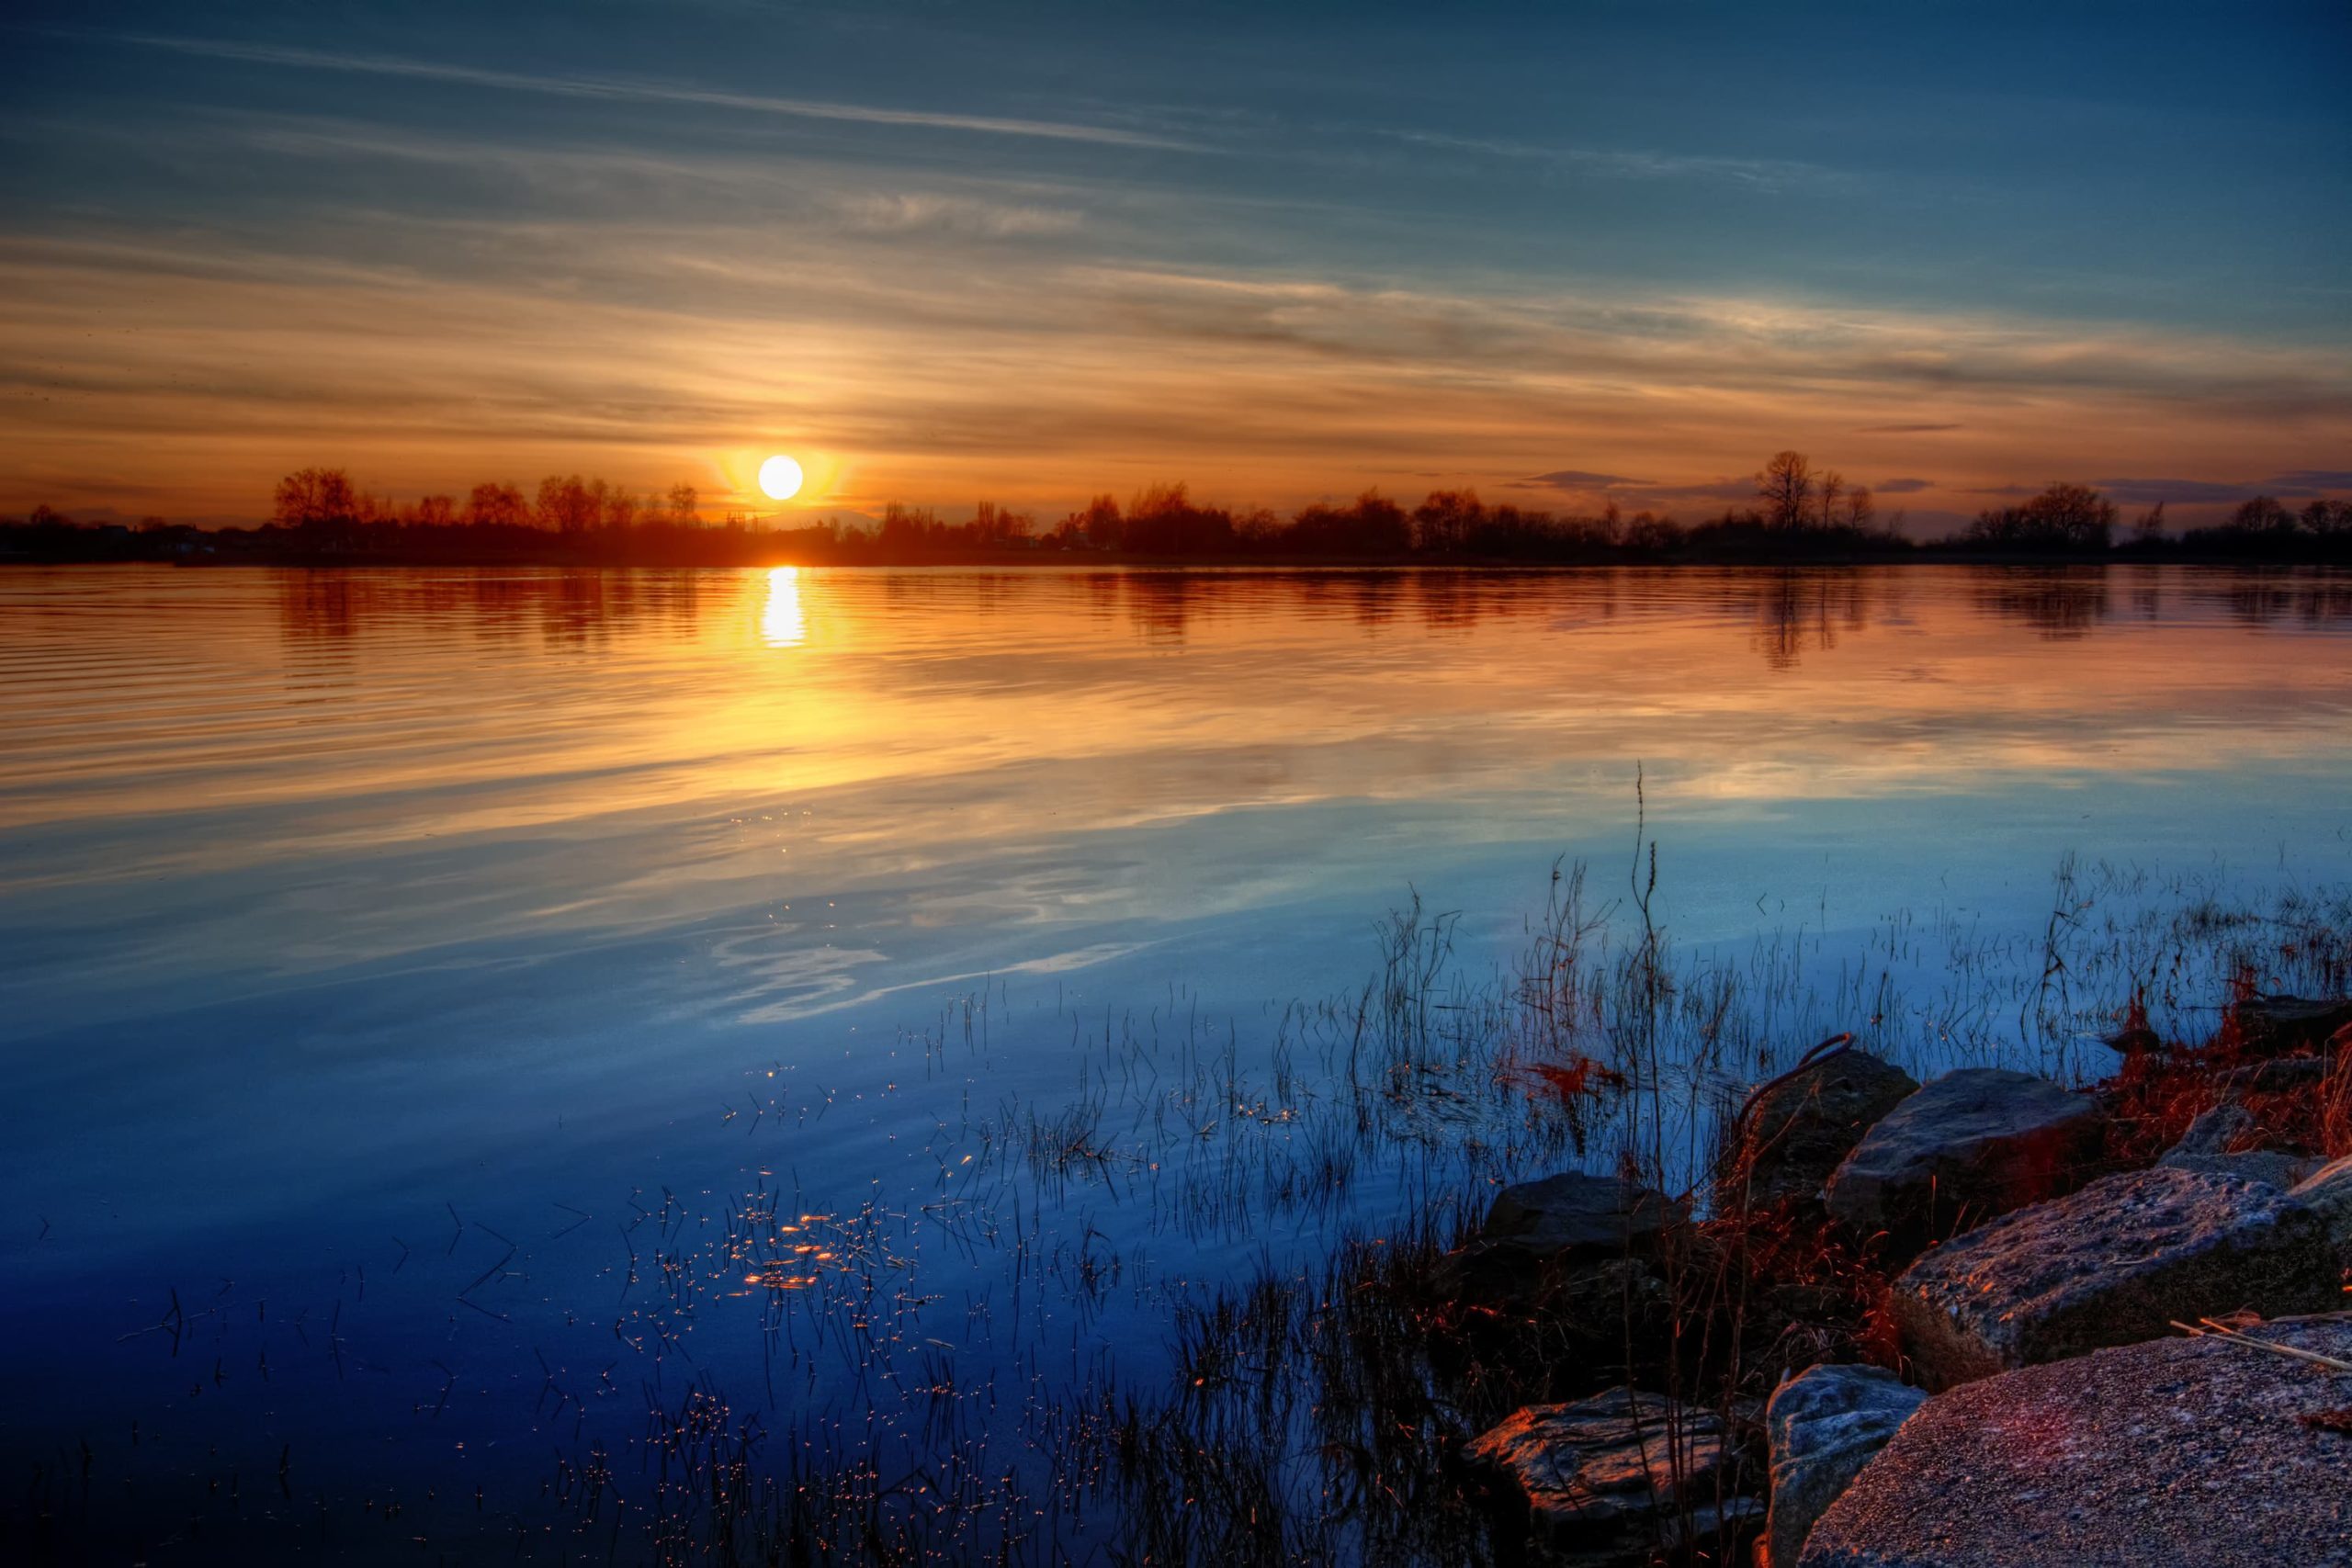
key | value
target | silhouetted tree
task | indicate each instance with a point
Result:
(1102, 524)
(2063, 517)
(497, 506)
(684, 504)
(1860, 511)
(1831, 488)
(568, 504)
(1373, 525)
(314, 497)
(1443, 523)
(1785, 484)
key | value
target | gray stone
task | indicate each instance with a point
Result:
(2275, 1025)
(2115, 1263)
(1973, 1144)
(1797, 1129)
(2214, 1130)
(1823, 1425)
(1575, 1212)
(2328, 1192)
(1607, 1480)
(2193, 1453)
(1538, 1232)
(2206, 1146)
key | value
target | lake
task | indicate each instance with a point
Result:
(418, 983)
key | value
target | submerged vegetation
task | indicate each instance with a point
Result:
(1798, 513)
(1200, 1307)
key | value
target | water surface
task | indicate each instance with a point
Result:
(358, 925)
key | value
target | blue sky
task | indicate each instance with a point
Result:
(946, 251)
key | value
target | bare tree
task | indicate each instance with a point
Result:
(1831, 487)
(314, 495)
(497, 506)
(683, 504)
(1786, 485)
(1860, 510)
(569, 504)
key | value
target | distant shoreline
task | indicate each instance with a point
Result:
(1091, 561)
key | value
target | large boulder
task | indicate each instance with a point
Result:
(2193, 1453)
(2272, 1026)
(2328, 1192)
(1823, 1425)
(2117, 1262)
(1608, 1481)
(1535, 1232)
(2208, 1145)
(1973, 1144)
(1797, 1129)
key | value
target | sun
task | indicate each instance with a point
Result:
(780, 478)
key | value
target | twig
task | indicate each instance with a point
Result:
(2218, 1332)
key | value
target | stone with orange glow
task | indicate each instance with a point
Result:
(2190, 1453)
(1605, 1479)
(2118, 1262)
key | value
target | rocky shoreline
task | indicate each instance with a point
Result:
(1986, 1320)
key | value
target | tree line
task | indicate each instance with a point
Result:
(1799, 512)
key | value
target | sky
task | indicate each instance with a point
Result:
(943, 253)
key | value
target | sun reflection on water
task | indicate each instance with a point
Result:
(782, 623)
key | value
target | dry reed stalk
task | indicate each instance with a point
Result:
(2219, 1331)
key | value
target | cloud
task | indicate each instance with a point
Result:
(626, 89)
(1761, 173)
(1904, 429)
(2147, 492)
(1576, 481)
(2308, 481)
(1905, 486)
(531, 339)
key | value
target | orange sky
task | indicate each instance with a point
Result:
(938, 284)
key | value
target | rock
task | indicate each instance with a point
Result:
(2193, 1453)
(1799, 1127)
(2214, 1131)
(1973, 1144)
(1824, 1424)
(2206, 1146)
(2273, 1026)
(1576, 1213)
(2115, 1263)
(2328, 1193)
(2274, 1168)
(1535, 1230)
(1606, 1480)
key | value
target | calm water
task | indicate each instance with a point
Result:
(361, 932)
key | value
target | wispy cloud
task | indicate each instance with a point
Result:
(2147, 492)
(1904, 429)
(1630, 164)
(637, 90)
(1578, 482)
(1905, 486)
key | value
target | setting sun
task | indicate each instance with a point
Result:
(780, 478)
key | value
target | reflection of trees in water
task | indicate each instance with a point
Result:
(2308, 601)
(2061, 604)
(325, 608)
(325, 613)
(1160, 602)
(1794, 612)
